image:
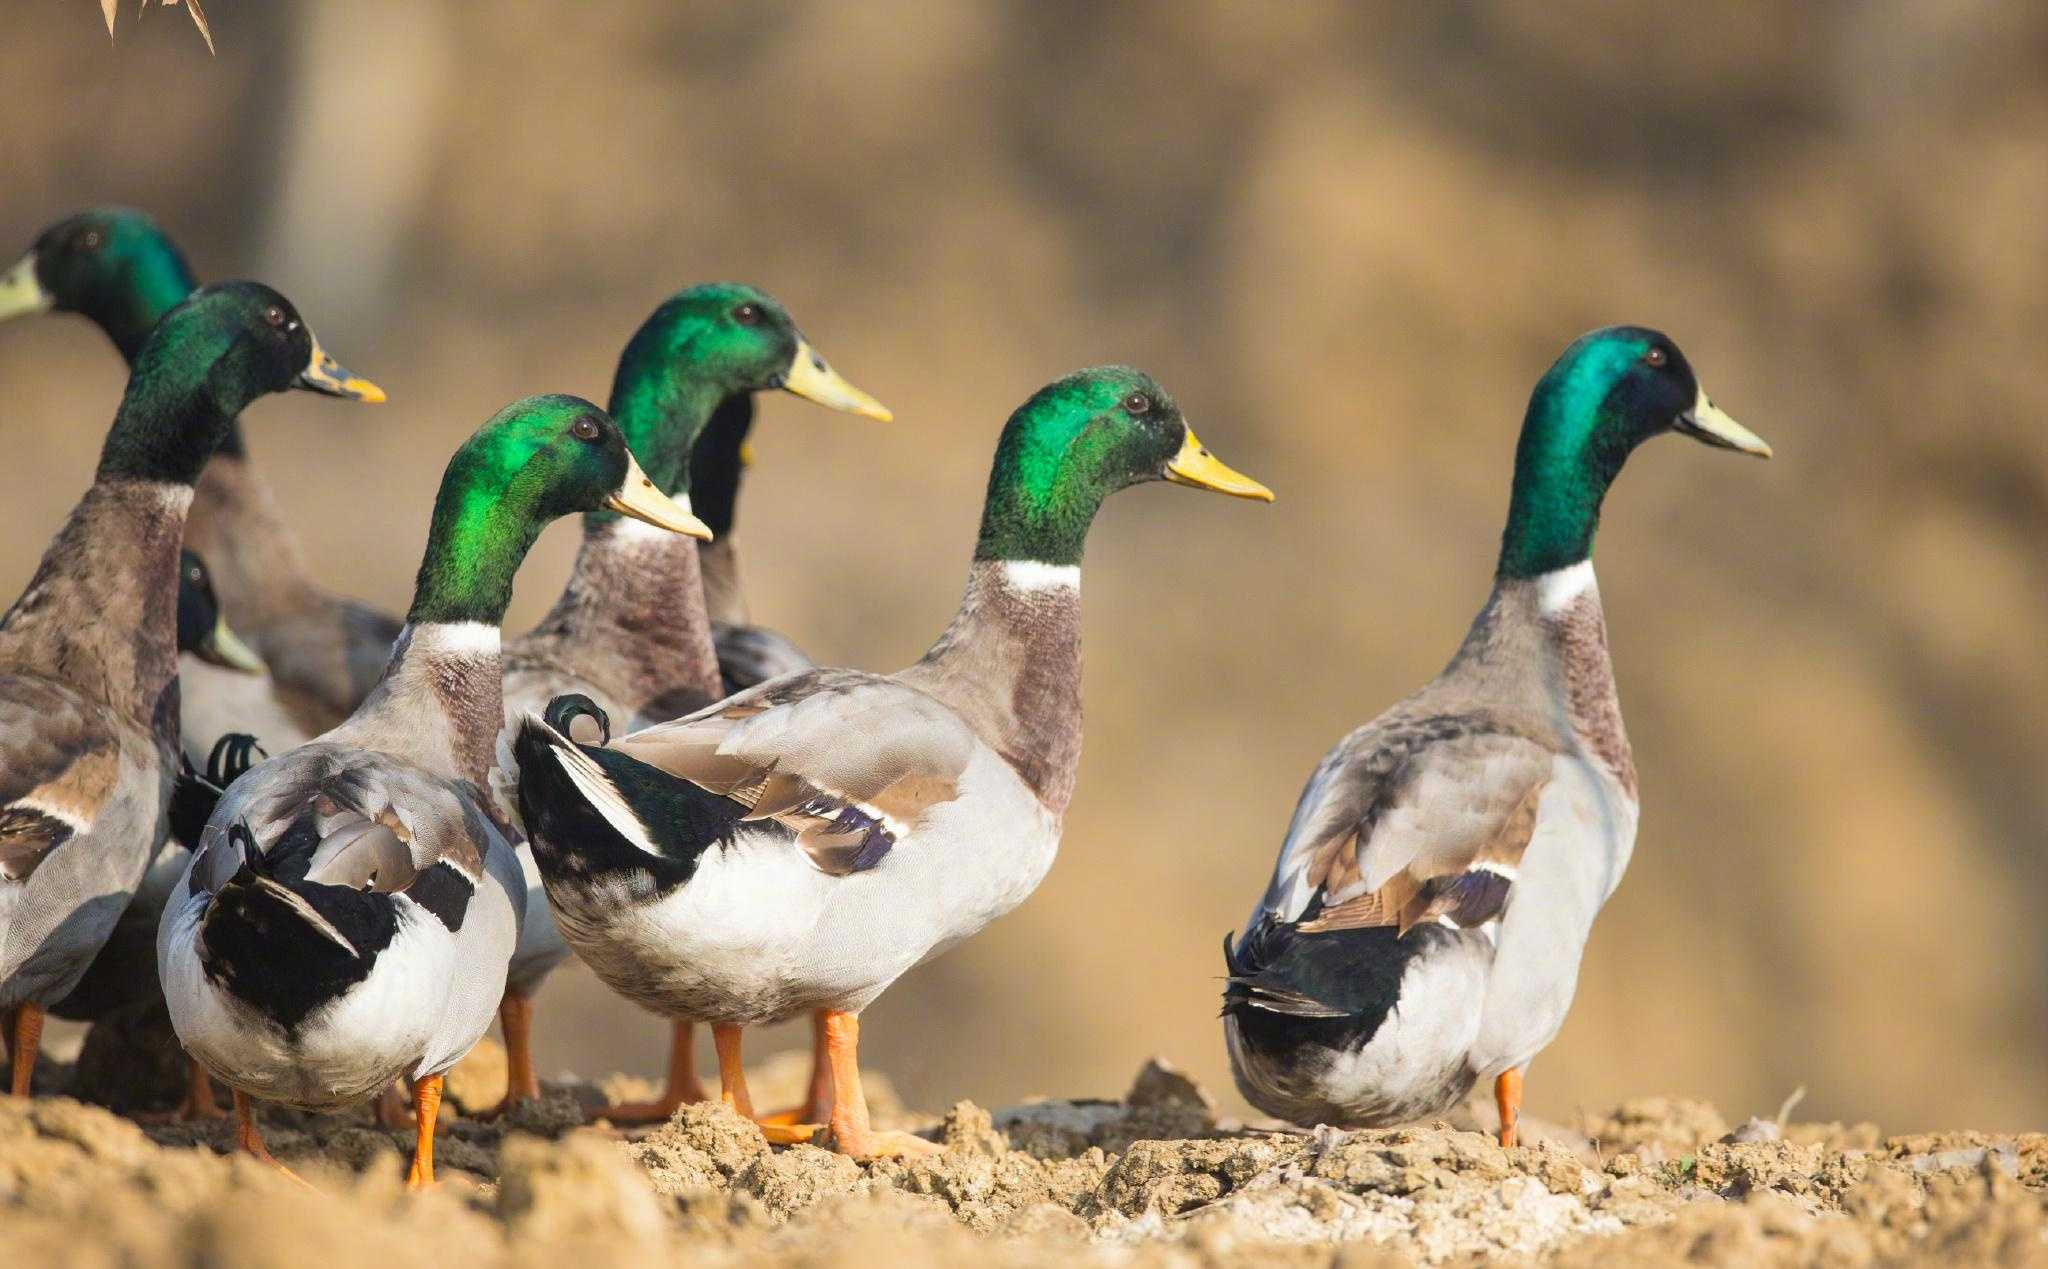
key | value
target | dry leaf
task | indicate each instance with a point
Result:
(198, 20)
(191, 7)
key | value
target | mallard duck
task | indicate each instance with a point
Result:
(800, 845)
(629, 630)
(351, 907)
(117, 267)
(88, 653)
(1432, 899)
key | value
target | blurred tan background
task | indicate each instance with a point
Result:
(1349, 239)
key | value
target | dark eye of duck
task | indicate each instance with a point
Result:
(91, 240)
(1137, 403)
(1655, 358)
(748, 314)
(585, 429)
(192, 575)
(275, 316)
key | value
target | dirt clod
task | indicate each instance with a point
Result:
(1052, 1182)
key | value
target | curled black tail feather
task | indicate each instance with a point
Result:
(196, 794)
(232, 756)
(563, 711)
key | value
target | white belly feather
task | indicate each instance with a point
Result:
(760, 934)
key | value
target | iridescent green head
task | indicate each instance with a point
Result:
(201, 366)
(536, 460)
(1074, 443)
(110, 264)
(705, 346)
(1612, 390)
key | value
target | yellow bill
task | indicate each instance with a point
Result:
(223, 647)
(325, 375)
(1196, 466)
(1709, 423)
(810, 378)
(637, 497)
(21, 292)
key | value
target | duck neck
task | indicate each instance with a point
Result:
(1570, 450)
(155, 282)
(258, 567)
(439, 703)
(633, 610)
(1010, 664)
(174, 415)
(1548, 634)
(101, 612)
(440, 700)
(1026, 521)
(633, 615)
(717, 466)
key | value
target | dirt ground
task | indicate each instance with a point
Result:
(1153, 1179)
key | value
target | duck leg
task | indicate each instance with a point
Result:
(732, 1077)
(1507, 1094)
(250, 1141)
(852, 1133)
(26, 1033)
(683, 1085)
(426, 1100)
(818, 1101)
(198, 1103)
(515, 1018)
(391, 1111)
(732, 1089)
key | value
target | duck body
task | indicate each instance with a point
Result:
(802, 844)
(123, 974)
(1368, 1007)
(733, 920)
(1425, 921)
(84, 814)
(347, 919)
(88, 721)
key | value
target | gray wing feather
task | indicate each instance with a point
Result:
(1403, 802)
(837, 755)
(58, 763)
(345, 816)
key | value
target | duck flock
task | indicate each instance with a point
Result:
(338, 845)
